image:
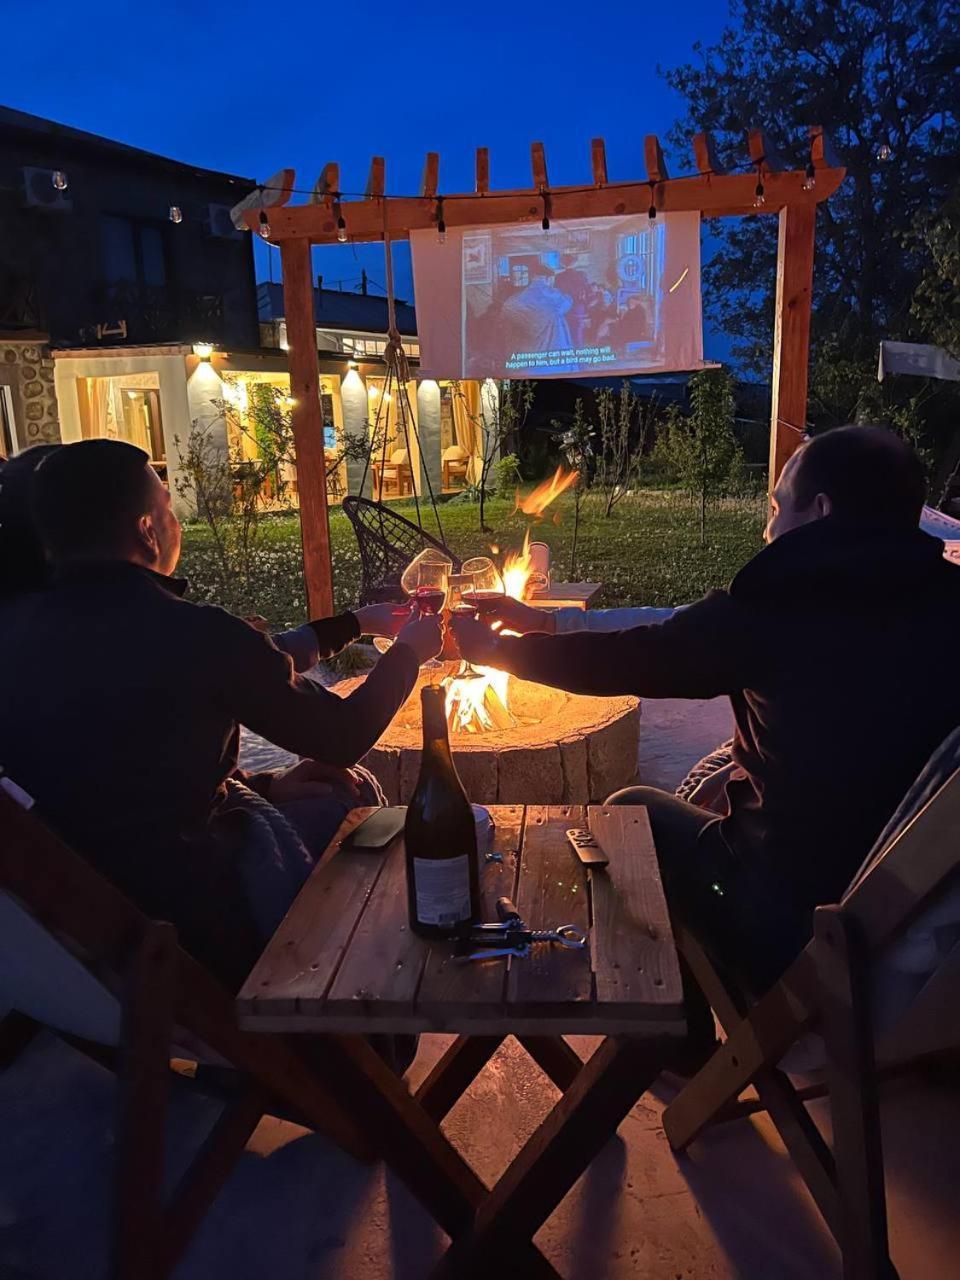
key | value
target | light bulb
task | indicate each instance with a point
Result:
(810, 177)
(59, 180)
(652, 212)
(759, 199)
(442, 231)
(884, 152)
(176, 213)
(342, 229)
(264, 224)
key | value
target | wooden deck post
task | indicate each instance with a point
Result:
(791, 334)
(307, 420)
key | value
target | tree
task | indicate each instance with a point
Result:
(497, 423)
(883, 77)
(624, 422)
(936, 303)
(702, 449)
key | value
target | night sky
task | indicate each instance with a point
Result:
(248, 88)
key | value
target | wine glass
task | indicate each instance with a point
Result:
(459, 589)
(486, 590)
(425, 581)
(410, 581)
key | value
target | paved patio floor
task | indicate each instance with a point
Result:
(296, 1209)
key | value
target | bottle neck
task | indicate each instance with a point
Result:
(435, 740)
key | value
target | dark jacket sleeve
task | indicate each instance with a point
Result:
(317, 640)
(261, 690)
(709, 648)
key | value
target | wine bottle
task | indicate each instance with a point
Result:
(440, 833)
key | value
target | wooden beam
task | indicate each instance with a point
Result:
(709, 194)
(327, 184)
(431, 174)
(705, 154)
(791, 334)
(483, 170)
(376, 177)
(538, 166)
(307, 421)
(275, 191)
(763, 152)
(598, 161)
(822, 152)
(653, 157)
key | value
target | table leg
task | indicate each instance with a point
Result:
(454, 1073)
(555, 1058)
(604, 1091)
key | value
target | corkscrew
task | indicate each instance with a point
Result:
(510, 936)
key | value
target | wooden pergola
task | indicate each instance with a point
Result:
(766, 188)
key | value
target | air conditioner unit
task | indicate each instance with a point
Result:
(40, 193)
(218, 223)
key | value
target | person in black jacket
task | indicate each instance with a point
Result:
(836, 646)
(121, 703)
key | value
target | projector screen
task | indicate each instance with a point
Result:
(591, 296)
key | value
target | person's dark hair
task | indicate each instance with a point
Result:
(869, 474)
(23, 565)
(88, 497)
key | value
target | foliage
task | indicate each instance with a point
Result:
(648, 552)
(624, 424)
(936, 302)
(576, 445)
(506, 475)
(881, 77)
(702, 449)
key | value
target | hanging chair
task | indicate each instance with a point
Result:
(388, 542)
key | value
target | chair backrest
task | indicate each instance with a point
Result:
(387, 542)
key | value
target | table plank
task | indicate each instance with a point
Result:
(551, 890)
(633, 953)
(477, 985)
(304, 953)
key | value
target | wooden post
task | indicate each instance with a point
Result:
(791, 334)
(307, 419)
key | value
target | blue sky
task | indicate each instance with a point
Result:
(248, 88)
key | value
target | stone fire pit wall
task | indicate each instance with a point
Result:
(564, 749)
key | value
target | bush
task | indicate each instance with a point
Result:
(506, 476)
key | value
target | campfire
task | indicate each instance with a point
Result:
(478, 698)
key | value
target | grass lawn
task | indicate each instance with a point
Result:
(647, 552)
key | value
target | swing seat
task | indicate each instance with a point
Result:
(387, 542)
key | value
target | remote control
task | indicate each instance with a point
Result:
(586, 847)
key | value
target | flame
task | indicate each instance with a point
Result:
(480, 702)
(540, 497)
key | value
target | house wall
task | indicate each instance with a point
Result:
(26, 366)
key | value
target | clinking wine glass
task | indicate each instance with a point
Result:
(459, 587)
(486, 590)
(425, 581)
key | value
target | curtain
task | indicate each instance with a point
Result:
(94, 397)
(466, 421)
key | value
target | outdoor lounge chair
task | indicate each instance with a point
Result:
(388, 542)
(78, 957)
(875, 988)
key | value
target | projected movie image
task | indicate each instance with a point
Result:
(584, 296)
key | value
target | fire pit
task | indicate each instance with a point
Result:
(561, 748)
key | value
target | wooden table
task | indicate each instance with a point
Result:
(566, 595)
(344, 964)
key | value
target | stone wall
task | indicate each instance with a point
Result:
(27, 367)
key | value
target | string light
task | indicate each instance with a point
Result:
(545, 220)
(341, 222)
(264, 224)
(884, 152)
(809, 177)
(176, 213)
(441, 224)
(652, 211)
(759, 199)
(59, 180)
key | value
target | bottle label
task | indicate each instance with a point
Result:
(443, 890)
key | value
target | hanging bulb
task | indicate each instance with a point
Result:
(441, 224)
(759, 199)
(59, 180)
(176, 213)
(264, 224)
(341, 222)
(652, 211)
(884, 152)
(545, 220)
(810, 177)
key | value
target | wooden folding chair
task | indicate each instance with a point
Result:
(879, 983)
(79, 957)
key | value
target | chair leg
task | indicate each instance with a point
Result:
(854, 1100)
(147, 1026)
